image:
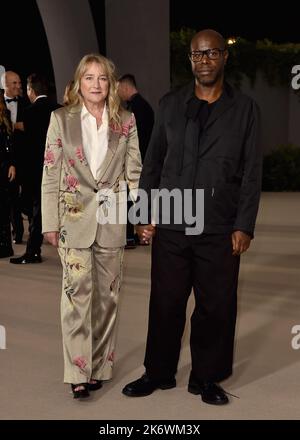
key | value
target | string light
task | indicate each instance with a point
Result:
(231, 40)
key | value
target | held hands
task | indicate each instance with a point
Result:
(145, 233)
(52, 238)
(240, 242)
(19, 126)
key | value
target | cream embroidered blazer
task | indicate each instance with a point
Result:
(72, 200)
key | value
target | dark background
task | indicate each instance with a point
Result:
(24, 46)
(278, 21)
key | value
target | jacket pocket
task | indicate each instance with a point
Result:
(221, 203)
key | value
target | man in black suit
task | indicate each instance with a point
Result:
(16, 104)
(36, 121)
(205, 139)
(142, 110)
(144, 115)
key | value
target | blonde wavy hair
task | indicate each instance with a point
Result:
(67, 93)
(74, 97)
(4, 118)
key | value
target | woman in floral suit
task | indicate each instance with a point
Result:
(91, 154)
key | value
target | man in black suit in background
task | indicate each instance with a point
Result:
(36, 121)
(16, 105)
(142, 110)
(144, 115)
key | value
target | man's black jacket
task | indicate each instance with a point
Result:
(144, 116)
(227, 162)
(19, 142)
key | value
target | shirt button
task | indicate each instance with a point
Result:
(95, 190)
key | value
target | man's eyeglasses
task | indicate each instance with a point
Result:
(212, 54)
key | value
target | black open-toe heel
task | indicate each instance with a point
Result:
(78, 394)
(95, 386)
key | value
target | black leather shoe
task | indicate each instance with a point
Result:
(210, 392)
(95, 386)
(82, 393)
(26, 259)
(145, 386)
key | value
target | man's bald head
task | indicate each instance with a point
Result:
(210, 34)
(11, 83)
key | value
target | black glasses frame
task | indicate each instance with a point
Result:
(208, 52)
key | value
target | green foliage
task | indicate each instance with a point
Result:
(275, 61)
(281, 169)
(180, 63)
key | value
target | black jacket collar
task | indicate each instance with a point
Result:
(225, 101)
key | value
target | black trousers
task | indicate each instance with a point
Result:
(16, 210)
(35, 238)
(206, 264)
(5, 232)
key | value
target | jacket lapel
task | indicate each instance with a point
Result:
(226, 100)
(113, 142)
(75, 135)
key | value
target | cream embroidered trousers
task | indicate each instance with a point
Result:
(89, 305)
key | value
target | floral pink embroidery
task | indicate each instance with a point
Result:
(71, 162)
(49, 158)
(125, 127)
(80, 154)
(72, 183)
(114, 127)
(80, 362)
(111, 356)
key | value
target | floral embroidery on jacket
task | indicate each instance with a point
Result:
(73, 212)
(72, 183)
(72, 209)
(49, 158)
(125, 127)
(80, 155)
(51, 153)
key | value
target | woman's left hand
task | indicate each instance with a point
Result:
(11, 173)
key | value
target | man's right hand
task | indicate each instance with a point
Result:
(145, 233)
(52, 238)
